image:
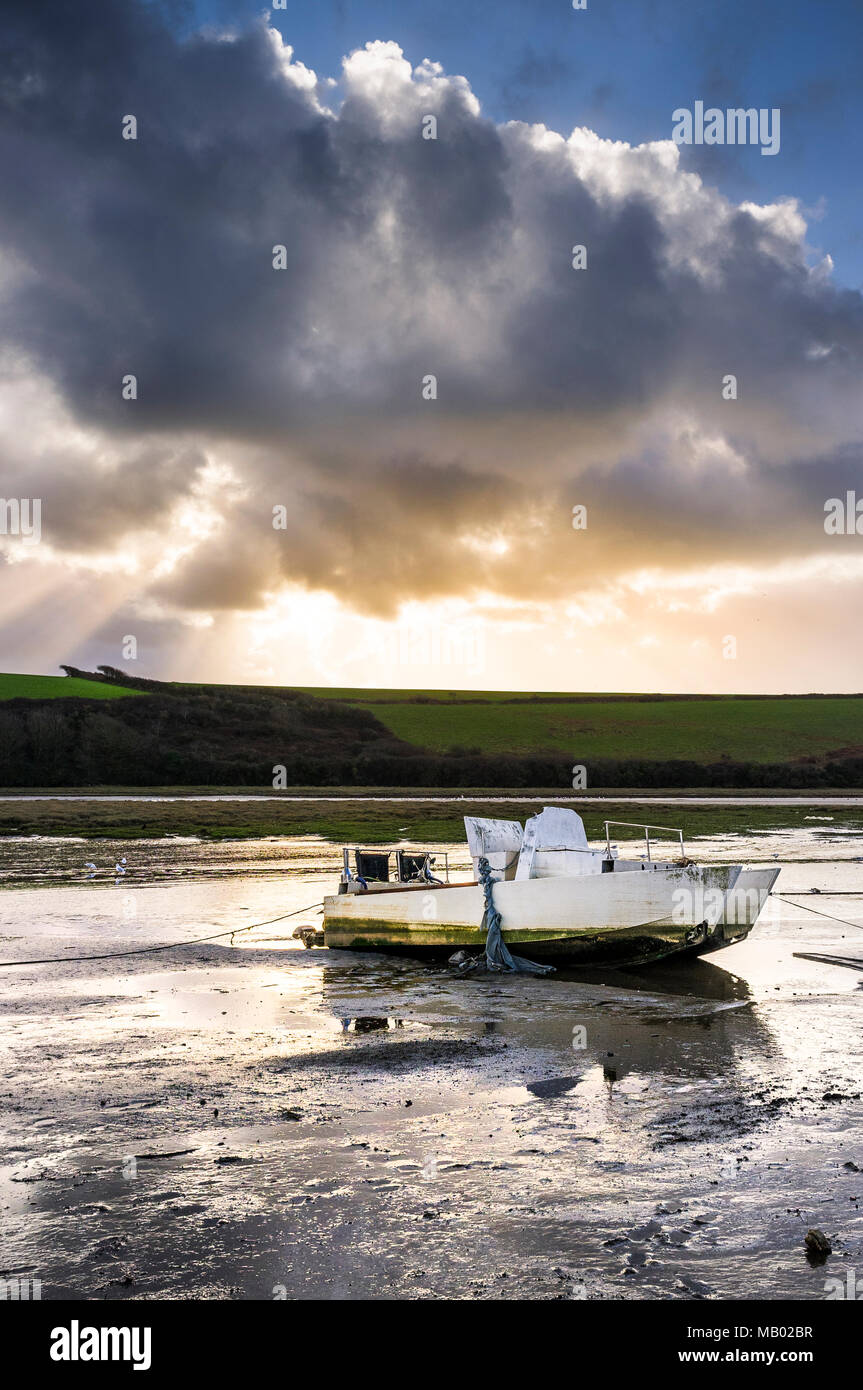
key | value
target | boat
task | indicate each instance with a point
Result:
(558, 899)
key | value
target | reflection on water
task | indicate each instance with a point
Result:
(41, 859)
(371, 1024)
(696, 1027)
(698, 976)
(554, 1087)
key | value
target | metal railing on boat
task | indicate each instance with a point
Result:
(641, 825)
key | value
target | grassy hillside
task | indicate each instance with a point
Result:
(704, 728)
(751, 730)
(56, 687)
(223, 735)
(174, 735)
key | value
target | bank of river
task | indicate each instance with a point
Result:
(388, 816)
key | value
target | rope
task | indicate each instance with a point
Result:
(823, 892)
(497, 954)
(843, 921)
(149, 950)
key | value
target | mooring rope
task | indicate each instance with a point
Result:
(149, 950)
(497, 954)
(843, 921)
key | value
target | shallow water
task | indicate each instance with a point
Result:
(811, 799)
(235, 1119)
(40, 859)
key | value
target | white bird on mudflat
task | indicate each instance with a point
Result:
(90, 866)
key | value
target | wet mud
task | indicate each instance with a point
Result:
(261, 1121)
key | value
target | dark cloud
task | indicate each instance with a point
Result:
(91, 508)
(154, 256)
(405, 257)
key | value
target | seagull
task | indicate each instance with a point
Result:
(118, 868)
(90, 866)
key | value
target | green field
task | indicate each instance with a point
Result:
(765, 729)
(365, 695)
(760, 729)
(705, 729)
(51, 687)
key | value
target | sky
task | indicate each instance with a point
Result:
(306, 384)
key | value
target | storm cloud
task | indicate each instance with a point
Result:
(404, 257)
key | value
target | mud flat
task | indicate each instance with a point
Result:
(357, 814)
(251, 1120)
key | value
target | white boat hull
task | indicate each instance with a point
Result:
(618, 918)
